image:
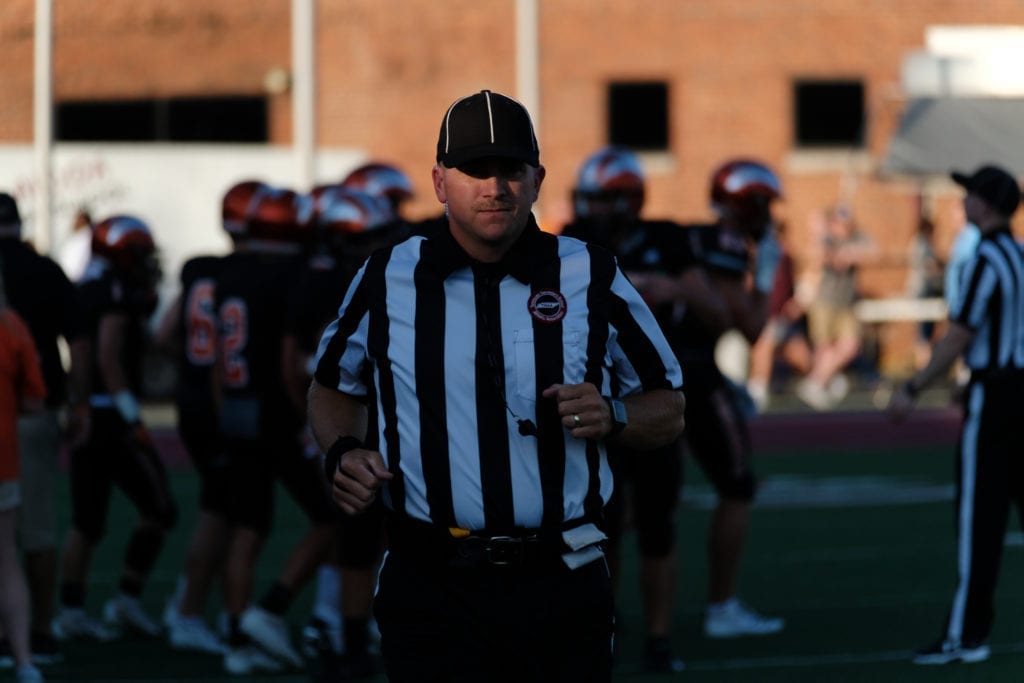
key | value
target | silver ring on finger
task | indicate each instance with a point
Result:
(576, 421)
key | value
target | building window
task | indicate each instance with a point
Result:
(179, 119)
(638, 116)
(829, 113)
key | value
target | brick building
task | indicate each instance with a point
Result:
(811, 86)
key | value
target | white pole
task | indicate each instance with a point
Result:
(528, 71)
(42, 231)
(303, 92)
(527, 58)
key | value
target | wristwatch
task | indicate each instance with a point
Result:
(619, 417)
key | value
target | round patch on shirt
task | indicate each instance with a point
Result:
(547, 306)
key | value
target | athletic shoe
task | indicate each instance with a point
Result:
(736, 619)
(249, 659)
(813, 394)
(271, 633)
(28, 674)
(320, 638)
(125, 611)
(73, 622)
(838, 388)
(758, 391)
(192, 633)
(659, 658)
(45, 649)
(946, 652)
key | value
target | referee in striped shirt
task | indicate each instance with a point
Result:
(471, 379)
(986, 326)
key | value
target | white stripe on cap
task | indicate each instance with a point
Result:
(490, 114)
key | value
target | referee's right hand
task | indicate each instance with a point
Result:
(360, 473)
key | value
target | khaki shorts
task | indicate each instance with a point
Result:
(829, 324)
(39, 445)
(10, 495)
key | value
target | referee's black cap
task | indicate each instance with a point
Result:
(487, 124)
(993, 184)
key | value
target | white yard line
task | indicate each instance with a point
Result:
(796, 661)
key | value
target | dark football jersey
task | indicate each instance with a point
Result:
(723, 256)
(639, 247)
(252, 296)
(316, 300)
(101, 292)
(197, 326)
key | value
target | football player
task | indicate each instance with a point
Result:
(349, 225)
(607, 199)
(118, 295)
(261, 424)
(189, 328)
(726, 272)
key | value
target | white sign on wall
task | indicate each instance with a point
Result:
(175, 189)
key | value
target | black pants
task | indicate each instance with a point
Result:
(990, 476)
(494, 624)
(109, 458)
(650, 482)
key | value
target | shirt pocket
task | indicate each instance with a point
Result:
(525, 366)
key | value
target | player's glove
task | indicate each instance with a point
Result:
(769, 255)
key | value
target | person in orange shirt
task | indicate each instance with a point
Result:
(21, 389)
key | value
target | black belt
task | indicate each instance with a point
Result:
(996, 374)
(434, 546)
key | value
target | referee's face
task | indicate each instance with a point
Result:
(489, 202)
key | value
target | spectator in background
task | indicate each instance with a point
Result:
(835, 330)
(21, 389)
(964, 246)
(784, 336)
(41, 294)
(75, 251)
(924, 281)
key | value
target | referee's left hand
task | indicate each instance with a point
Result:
(360, 474)
(584, 413)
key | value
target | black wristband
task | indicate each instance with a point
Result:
(340, 447)
(910, 389)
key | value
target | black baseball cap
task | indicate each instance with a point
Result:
(993, 184)
(487, 124)
(9, 214)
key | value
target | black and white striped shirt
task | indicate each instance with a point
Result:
(992, 304)
(451, 354)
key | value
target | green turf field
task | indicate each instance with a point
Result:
(854, 549)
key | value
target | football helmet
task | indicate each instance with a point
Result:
(345, 211)
(744, 189)
(126, 243)
(609, 183)
(282, 216)
(238, 206)
(382, 180)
